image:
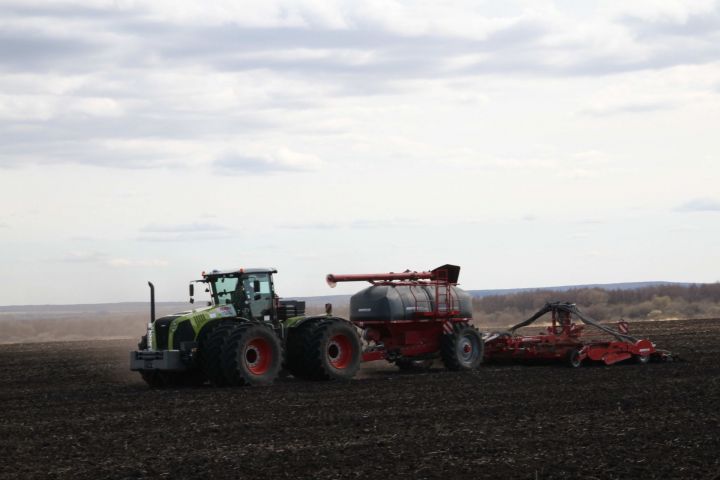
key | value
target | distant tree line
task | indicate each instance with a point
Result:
(654, 303)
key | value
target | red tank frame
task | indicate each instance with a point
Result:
(420, 336)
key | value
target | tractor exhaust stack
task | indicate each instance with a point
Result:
(152, 302)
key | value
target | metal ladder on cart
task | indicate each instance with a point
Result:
(443, 295)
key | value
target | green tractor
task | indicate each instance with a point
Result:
(245, 335)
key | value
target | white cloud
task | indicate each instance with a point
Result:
(700, 205)
(130, 263)
(649, 92)
(26, 107)
(255, 161)
(78, 256)
(675, 11)
(185, 228)
(100, 258)
(97, 107)
(185, 232)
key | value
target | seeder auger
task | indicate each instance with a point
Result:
(562, 341)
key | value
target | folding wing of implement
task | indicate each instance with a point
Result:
(562, 340)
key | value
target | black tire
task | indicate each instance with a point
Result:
(153, 378)
(170, 379)
(573, 359)
(414, 365)
(297, 338)
(332, 351)
(202, 339)
(252, 355)
(212, 353)
(642, 359)
(463, 348)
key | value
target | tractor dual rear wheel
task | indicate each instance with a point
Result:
(328, 349)
(295, 348)
(252, 355)
(463, 348)
(242, 353)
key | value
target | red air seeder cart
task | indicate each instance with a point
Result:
(411, 318)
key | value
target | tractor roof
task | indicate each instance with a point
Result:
(238, 271)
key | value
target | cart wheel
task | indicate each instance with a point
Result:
(574, 360)
(642, 359)
(463, 348)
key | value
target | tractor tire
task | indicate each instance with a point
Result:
(411, 365)
(463, 348)
(252, 355)
(153, 378)
(202, 340)
(573, 358)
(212, 352)
(332, 351)
(170, 379)
(297, 338)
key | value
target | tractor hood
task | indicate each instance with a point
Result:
(214, 311)
(185, 326)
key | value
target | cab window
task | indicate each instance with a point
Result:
(225, 289)
(259, 293)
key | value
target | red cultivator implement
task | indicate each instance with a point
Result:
(562, 341)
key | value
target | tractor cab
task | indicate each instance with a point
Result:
(250, 291)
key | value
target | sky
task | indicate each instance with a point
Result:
(534, 143)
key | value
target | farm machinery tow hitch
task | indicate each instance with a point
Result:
(562, 341)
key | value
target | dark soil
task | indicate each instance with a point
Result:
(72, 410)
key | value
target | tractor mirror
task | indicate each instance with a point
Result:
(256, 285)
(192, 290)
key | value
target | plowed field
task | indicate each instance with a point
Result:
(72, 410)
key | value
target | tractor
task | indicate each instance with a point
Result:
(246, 335)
